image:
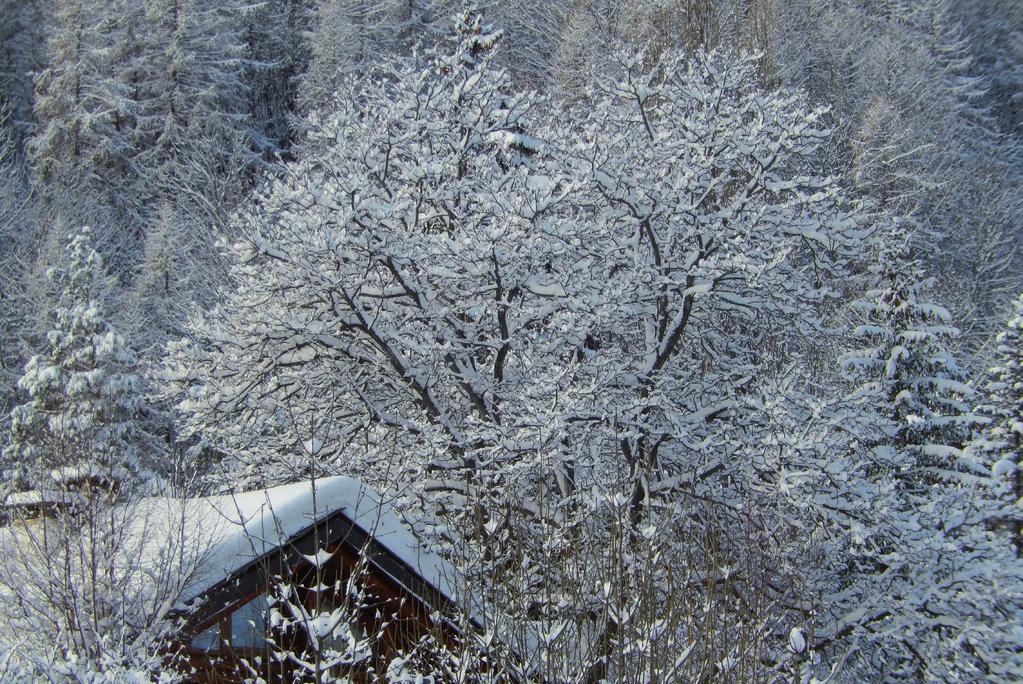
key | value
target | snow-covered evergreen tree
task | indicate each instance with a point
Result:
(276, 57)
(349, 37)
(926, 586)
(1000, 444)
(23, 28)
(193, 131)
(996, 40)
(82, 150)
(908, 363)
(176, 273)
(16, 236)
(83, 395)
(916, 132)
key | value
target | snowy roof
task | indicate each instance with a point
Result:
(72, 473)
(55, 495)
(237, 529)
(188, 546)
(175, 551)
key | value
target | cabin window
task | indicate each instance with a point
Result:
(208, 641)
(248, 624)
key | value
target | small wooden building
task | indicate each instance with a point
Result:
(302, 577)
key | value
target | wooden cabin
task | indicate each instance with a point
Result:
(265, 585)
(319, 546)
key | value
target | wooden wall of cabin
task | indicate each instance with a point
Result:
(398, 619)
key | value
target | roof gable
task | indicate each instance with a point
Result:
(280, 528)
(238, 530)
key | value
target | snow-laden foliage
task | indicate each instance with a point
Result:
(551, 320)
(144, 101)
(906, 362)
(589, 336)
(88, 592)
(190, 80)
(924, 585)
(995, 32)
(16, 233)
(276, 57)
(23, 30)
(329, 629)
(914, 111)
(998, 445)
(83, 395)
(83, 150)
(349, 37)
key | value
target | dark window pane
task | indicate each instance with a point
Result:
(208, 641)
(248, 624)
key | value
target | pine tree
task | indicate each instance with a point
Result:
(908, 365)
(926, 585)
(193, 130)
(1000, 444)
(349, 37)
(167, 283)
(917, 132)
(22, 53)
(275, 56)
(100, 591)
(996, 40)
(83, 148)
(16, 238)
(84, 398)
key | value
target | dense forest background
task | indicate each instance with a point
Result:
(688, 328)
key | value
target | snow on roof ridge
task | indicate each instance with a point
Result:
(245, 526)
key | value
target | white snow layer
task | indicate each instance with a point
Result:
(232, 530)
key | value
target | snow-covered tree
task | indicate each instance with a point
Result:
(998, 445)
(82, 150)
(924, 584)
(83, 396)
(192, 99)
(276, 58)
(532, 36)
(22, 53)
(348, 37)
(908, 362)
(550, 319)
(176, 273)
(576, 53)
(916, 131)
(996, 41)
(89, 590)
(17, 231)
(467, 134)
